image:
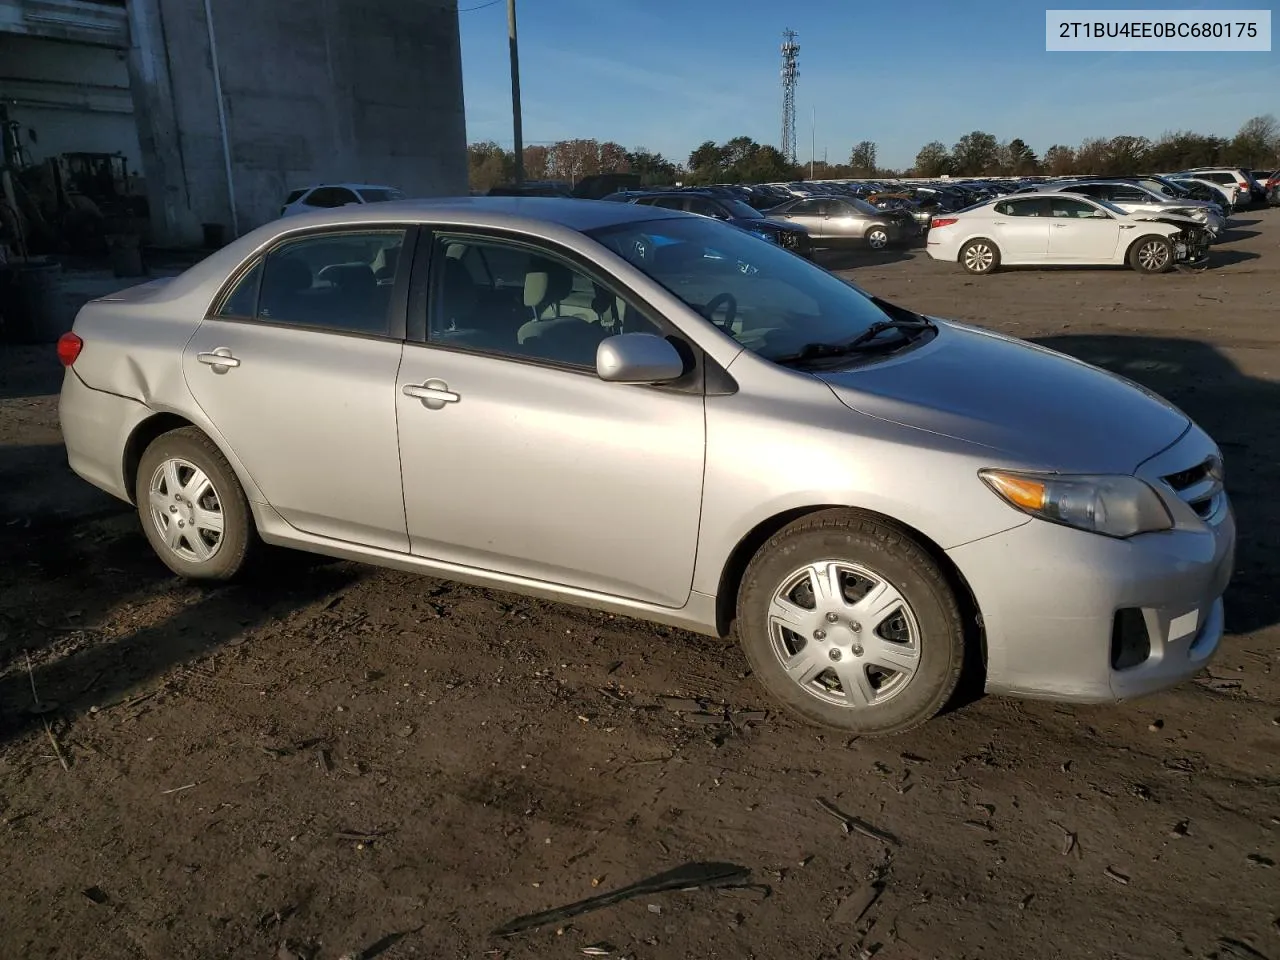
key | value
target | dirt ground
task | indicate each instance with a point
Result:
(340, 761)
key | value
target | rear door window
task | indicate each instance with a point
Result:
(340, 281)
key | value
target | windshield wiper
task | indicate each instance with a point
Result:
(821, 351)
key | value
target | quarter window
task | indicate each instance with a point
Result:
(335, 281)
(509, 299)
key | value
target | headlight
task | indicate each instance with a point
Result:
(1115, 506)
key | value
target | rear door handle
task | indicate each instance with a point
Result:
(434, 393)
(220, 357)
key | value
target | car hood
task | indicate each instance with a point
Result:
(1038, 408)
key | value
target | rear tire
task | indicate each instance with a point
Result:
(850, 624)
(980, 256)
(193, 510)
(1151, 254)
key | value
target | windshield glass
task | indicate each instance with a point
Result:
(773, 302)
(741, 210)
(1107, 204)
(862, 206)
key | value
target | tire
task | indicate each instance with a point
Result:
(877, 238)
(194, 548)
(980, 256)
(880, 669)
(1151, 254)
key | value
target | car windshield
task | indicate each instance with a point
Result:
(862, 206)
(1108, 205)
(741, 209)
(771, 301)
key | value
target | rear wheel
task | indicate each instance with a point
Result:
(979, 256)
(877, 238)
(1151, 255)
(193, 509)
(850, 624)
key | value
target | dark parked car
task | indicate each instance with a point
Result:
(790, 236)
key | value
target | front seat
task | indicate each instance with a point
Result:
(567, 338)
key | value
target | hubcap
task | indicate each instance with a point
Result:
(1153, 255)
(186, 510)
(844, 633)
(978, 257)
(878, 239)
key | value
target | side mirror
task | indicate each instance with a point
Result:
(637, 358)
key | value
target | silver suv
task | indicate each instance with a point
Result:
(658, 414)
(1139, 199)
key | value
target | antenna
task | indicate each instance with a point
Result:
(790, 73)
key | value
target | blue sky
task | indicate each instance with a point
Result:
(668, 74)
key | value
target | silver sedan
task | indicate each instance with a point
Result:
(848, 220)
(657, 414)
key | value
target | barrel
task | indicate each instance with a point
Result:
(29, 300)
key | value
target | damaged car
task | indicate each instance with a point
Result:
(1059, 229)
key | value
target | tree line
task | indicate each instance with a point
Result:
(976, 154)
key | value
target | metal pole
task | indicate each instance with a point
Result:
(813, 138)
(515, 89)
(222, 120)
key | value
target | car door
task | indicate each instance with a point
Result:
(808, 214)
(844, 220)
(296, 366)
(517, 458)
(1078, 230)
(1021, 229)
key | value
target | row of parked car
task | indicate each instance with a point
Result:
(1152, 222)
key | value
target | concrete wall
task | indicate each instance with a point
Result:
(312, 90)
(75, 96)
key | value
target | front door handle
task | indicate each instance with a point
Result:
(434, 393)
(220, 359)
(997, 223)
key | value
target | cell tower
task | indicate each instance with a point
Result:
(790, 73)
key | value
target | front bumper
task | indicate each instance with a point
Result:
(1061, 607)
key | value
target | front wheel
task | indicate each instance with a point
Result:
(850, 624)
(980, 256)
(877, 238)
(193, 509)
(1151, 255)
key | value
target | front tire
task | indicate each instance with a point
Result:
(193, 510)
(1151, 255)
(980, 256)
(877, 238)
(850, 624)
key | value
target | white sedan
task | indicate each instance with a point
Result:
(1030, 229)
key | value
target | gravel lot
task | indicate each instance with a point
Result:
(345, 761)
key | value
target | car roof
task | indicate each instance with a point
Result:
(547, 215)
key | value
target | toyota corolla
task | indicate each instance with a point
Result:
(657, 414)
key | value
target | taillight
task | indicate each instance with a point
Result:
(937, 222)
(69, 347)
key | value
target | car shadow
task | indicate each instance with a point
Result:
(1242, 414)
(1234, 236)
(850, 258)
(29, 371)
(78, 572)
(1229, 258)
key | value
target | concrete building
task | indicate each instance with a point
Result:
(226, 105)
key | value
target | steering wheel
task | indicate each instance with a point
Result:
(730, 303)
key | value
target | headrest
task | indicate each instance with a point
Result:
(548, 282)
(349, 276)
